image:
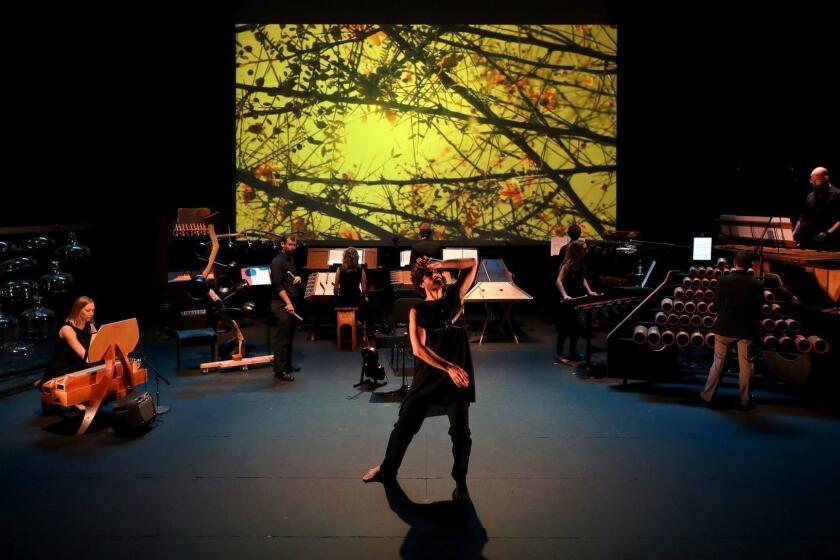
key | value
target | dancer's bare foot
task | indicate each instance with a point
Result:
(377, 475)
(371, 475)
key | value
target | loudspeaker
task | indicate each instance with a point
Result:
(133, 412)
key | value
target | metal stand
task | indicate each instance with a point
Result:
(403, 389)
(159, 408)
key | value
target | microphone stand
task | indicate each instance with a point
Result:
(759, 246)
(159, 408)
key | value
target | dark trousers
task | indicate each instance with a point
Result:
(568, 325)
(283, 337)
(412, 414)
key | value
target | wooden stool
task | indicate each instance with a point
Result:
(345, 316)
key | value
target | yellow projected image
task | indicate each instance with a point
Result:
(492, 132)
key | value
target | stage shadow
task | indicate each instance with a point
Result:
(446, 529)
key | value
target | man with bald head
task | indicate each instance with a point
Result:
(819, 224)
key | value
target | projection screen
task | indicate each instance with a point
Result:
(486, 132)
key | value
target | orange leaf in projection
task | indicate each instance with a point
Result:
(469, 218)
(527, 161)
(496, 78)
(376, 38)
(548, 99)
(604, 187)
(299, 225)
(448, 62)
(558, 230)
(391, 116)
(246, 192)
(264, 172)
(349, 234)
(512, 192)
(438, 233)
(544, 216)
(408, 77)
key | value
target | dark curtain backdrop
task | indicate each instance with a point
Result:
(120, 120)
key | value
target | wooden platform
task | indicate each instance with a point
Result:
(244, 363)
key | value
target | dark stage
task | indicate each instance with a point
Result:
(119, 122)
(562, 467)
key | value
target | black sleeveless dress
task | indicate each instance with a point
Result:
(349, 293)
(573, 282)
(448, 339)
(64, 359)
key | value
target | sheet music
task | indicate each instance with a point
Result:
(405, 258)
(336, 256)
(460, 253)
(558, 243)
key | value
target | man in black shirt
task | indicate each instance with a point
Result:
(285, 284)
(819, 224)
(738, 299)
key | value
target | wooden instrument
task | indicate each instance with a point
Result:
(116, 378)
(401, 279)
(238, 359)
(823, 265)
(790, 337)
(320, 286)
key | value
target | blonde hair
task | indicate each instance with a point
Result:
(76, 310)
(350, 259)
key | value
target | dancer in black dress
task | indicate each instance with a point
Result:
(444, 374)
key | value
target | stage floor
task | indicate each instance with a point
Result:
(562, 467)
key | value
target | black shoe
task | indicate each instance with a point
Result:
(292, 369)
(575, 357)
(283, 376)
(460, 494)
(747, 407)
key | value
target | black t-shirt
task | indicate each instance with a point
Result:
(822, 210)
(281, 266)
(449, 340)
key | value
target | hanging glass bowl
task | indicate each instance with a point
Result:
(72, 252)
(17, 350)
(37, 322)
(17, 291)
(8, 327)
(36, 243)
(19, 264)
(56, 282)
(7, 247)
